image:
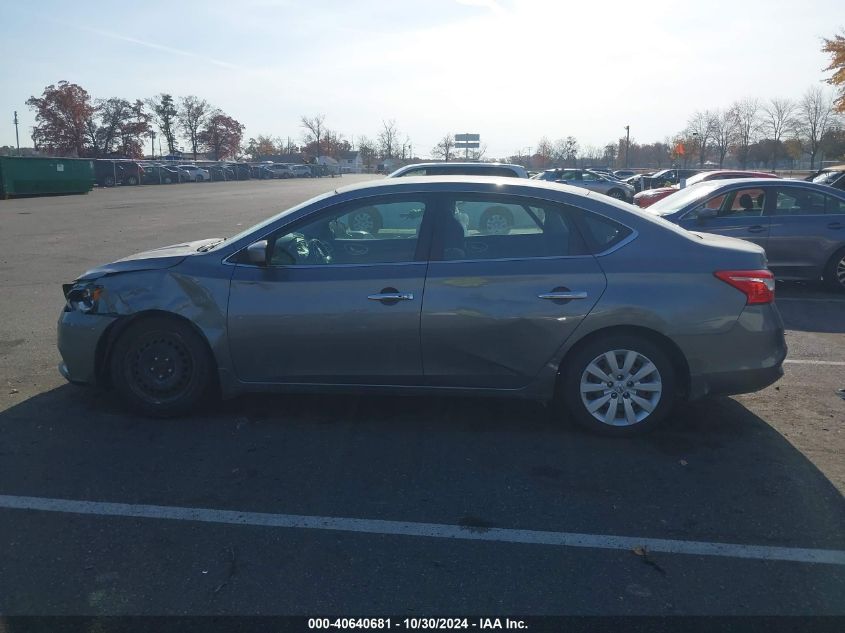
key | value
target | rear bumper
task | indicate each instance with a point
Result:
(746, 358)
(79, 335)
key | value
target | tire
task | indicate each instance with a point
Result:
(496, 220)
(834, 272)
(108, 181)
(132, 180)
(617, 193)
(368, 220)
(583, 390)
(171, 347)
(200, 178)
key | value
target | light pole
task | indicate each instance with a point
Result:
(627, 143)
(17, 139)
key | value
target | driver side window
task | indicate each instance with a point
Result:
(380, 232)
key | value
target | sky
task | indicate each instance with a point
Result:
(512, 71)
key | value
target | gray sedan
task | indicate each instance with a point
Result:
(613, 312)
(801, 225)
(591, 180)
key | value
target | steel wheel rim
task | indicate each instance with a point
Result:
(840, 272)
(362, 222)
(616, 194)
(621, 387)
(160, 367)
(497, 224)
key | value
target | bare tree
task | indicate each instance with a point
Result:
(778, 121)
(566, 150)
(478, 154)
(387, 138)
(700, 128)
(313, 130)
(545, 152)
(724, 125)
(747, 115)
(368, 151)
(444, 147)
(193, 113)
(815, 117)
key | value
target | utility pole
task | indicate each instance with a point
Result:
(627, 143)
(17, 139)
(153, 143)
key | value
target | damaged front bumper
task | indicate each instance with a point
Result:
(79, 335)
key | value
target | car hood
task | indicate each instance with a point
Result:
(156, 259)
(648, 193)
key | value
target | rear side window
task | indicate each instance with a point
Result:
(603, 233)
(493, 226)
(799, 202)
(834, 206)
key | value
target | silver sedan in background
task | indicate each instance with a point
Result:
(616, 314)
(591, 180)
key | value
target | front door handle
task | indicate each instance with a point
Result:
(563, 296)
(391, 296)
(756, 229)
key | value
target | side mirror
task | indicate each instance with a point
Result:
(257, 253)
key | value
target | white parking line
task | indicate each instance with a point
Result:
(429, 530)
(796, 361)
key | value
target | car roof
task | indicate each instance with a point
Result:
(442, 183)
(454, 163)
(769, 182)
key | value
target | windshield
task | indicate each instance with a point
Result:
(684, 197)
(256, 228)
(827, 177)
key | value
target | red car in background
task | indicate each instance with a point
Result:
(650, 196)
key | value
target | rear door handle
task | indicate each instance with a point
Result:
(563, 296)
(391, 296)
(756, 229)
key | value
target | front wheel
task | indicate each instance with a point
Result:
(161, 367)
(617, 193)
(619, 385)
(834, 274)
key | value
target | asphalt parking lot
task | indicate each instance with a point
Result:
(385, 505)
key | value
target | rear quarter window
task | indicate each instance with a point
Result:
(602, 233)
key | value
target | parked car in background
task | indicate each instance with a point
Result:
(218, 171)
(156, 174)
(282, 170)
(301, 171)
(801, 225)
(832, 176)
(589, 180)
(458, 168)
(108, 172)
(242, 171)
(662, 178)
(260, 171)
(576, 307)
(194, 173)
(650, 196)
(622, 174)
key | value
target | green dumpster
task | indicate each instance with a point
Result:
(28, 176)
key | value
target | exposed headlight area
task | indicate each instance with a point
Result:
(82, 297)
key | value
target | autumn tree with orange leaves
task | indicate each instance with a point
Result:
(835, 47)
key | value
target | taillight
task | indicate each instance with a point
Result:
(757, 285)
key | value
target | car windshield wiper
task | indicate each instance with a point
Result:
(208, 247)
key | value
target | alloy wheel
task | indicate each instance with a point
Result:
(621, 387)
(496, 224)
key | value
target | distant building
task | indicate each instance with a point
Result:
(351, 162)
